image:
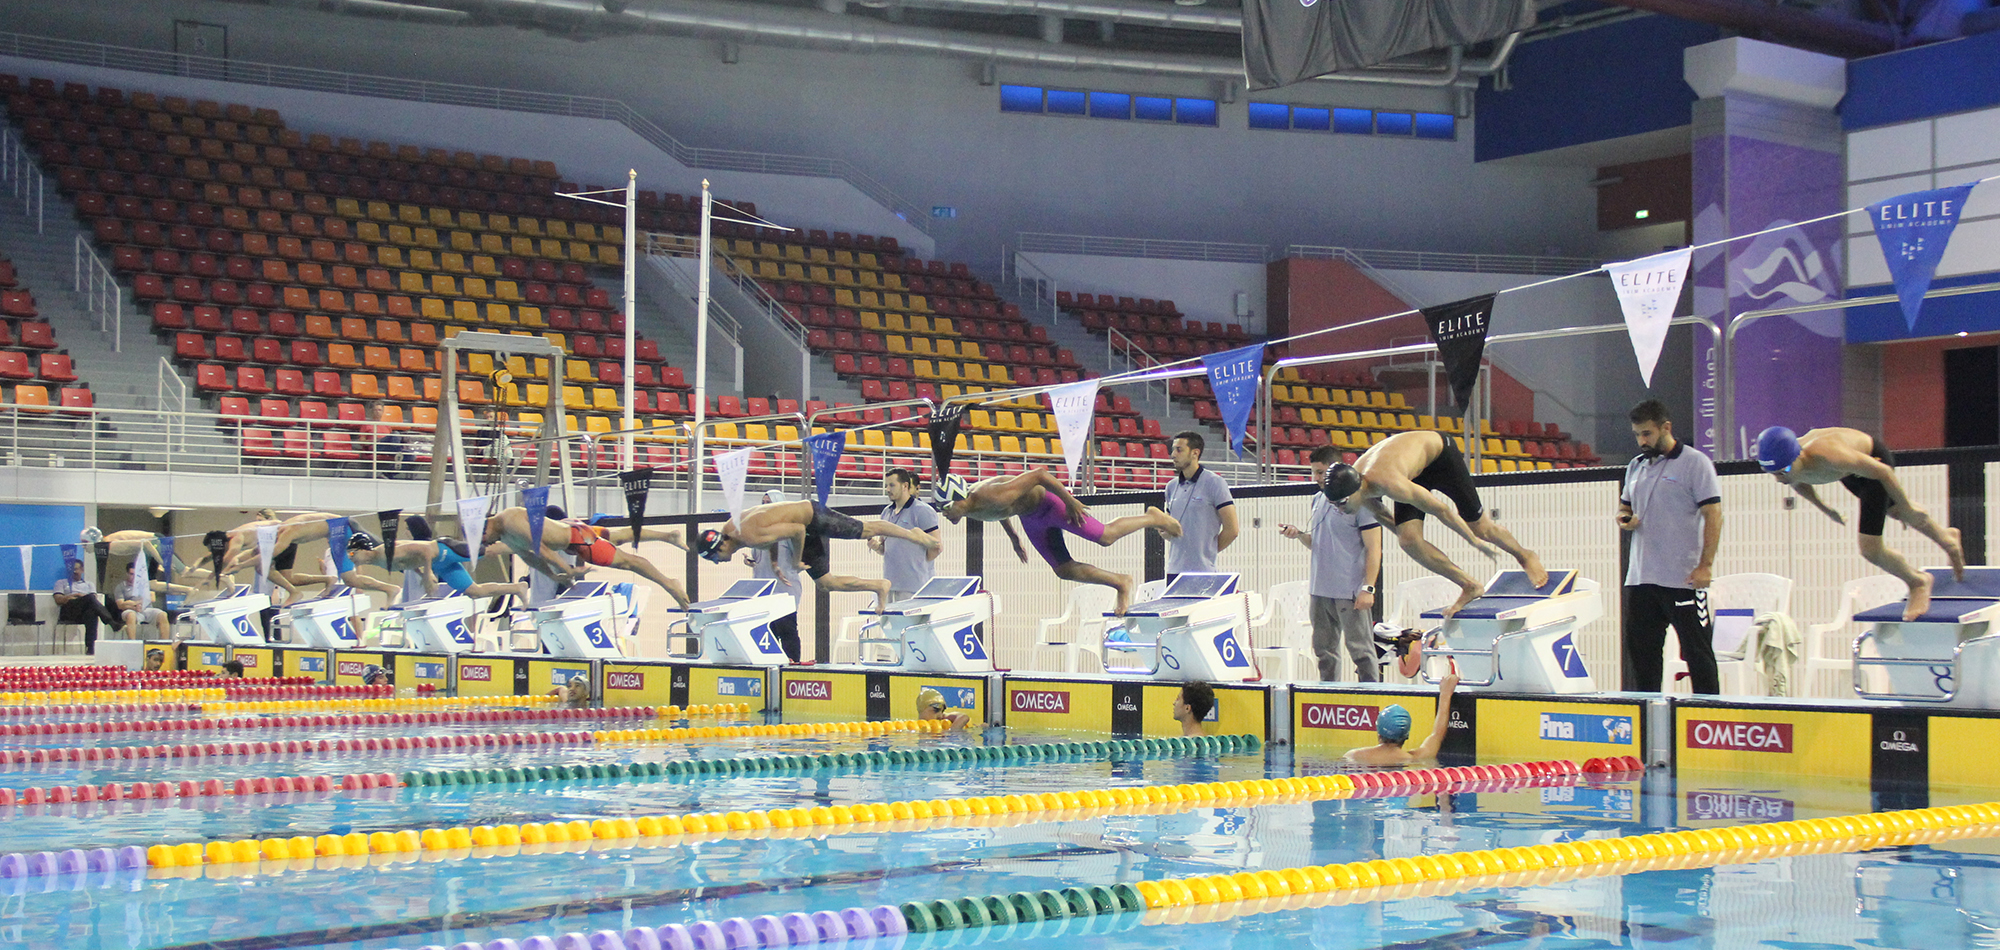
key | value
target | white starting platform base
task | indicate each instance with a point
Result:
(231, 617)
(441, 624)
(936, 630)
(585, 622)
(327, 622)
(734, 629)
(1518, 637)
(1949, 655)
(1198, 630)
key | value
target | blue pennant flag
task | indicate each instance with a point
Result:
(536, 500)
(1232, 374)
(1914, 230)
(69, 554)
(826, 449)
(337, 531)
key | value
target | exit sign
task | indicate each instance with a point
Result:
(943, 211)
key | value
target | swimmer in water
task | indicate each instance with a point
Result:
(1392, 726)
(1867, 469)
(575, 693)
(1192, 706)
(931, 707)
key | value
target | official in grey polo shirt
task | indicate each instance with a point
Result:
(1672, 506)
(905, 565)
(1200, 501)
(1346, 558)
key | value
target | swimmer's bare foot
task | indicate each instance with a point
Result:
(1164, 523)
(1956, 552)
(1537, 574)
(1124, 589)
(1920, 599)
(1467, 594)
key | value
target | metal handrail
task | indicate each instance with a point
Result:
(171, 393)
(1100, 245)
(514, 100)
(1038, 285)
(102, 295)
(23, 175)
(773, 307)
(1375, 258)
(1726, 436)
(1119, 347)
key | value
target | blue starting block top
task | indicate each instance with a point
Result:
(741, 590)
(1185, 589)
(934, 590)
(1510, 591)
(583, 589)
(1951, 598)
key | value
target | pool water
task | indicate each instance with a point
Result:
(1930, 897)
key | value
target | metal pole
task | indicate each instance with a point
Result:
(700, 351)
(631, 302)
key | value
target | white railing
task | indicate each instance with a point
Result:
(1101, 246)
(206, 444)
(22, 175)
(1124, 355)
(102, 295)
(171, 394)
(1439, 261)
(514, 100)
(1032, 284)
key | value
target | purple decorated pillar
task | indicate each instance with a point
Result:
(1767, 154)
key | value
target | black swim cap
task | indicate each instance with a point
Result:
(1340, 482)
(709, 546)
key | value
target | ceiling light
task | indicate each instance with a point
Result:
(1642, 214)
(1189, 3)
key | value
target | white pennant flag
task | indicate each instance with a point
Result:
(141, 586)
(27, 566)
(472, 521)
(1074, 404)
(267, 544)
(1648, 289)
(732, 468)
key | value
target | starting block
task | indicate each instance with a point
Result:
(441, 624)
(1519, 637)
(735, 629)
(231, 617)
(584, 623)
(1198, 629)
(327, 622)
(936, 630)
(1950, 655)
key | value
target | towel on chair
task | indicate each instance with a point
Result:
(1774, 644)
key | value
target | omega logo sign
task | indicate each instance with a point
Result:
(808, 689)
(475, 672)
(1335, 716)
(1740, 736)
(624, 681)
(1041, 700)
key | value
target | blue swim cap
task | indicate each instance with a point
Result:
(1393, 724)
(1777, 447)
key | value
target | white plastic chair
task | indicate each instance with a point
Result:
(1413, 597)
(1829, 657)
(1759, 594)
(1086, 607)
(1279, 652)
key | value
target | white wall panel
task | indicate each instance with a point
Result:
(1867, 193)
(1890, 150)
(1968, 138)
(1865, 264)
(1974, 248)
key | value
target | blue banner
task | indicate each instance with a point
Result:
(69, 553)
(1232, 374)
(337, 531)
(167, 555)
(536, 501)
(1914, 230)
(826, 449)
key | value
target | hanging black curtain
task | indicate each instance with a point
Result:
(1288, 41)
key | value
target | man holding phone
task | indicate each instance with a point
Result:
(1672, 506)
(1346, 560)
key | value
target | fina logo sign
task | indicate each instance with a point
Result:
(624, 681)
(1739, 736)
(1569, 727)
(1040, 700)
(473, 672)
(809, 689)
(1338, 716)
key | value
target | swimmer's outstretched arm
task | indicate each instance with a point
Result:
(1442, 722)
(1007, 525)
(1806, 492)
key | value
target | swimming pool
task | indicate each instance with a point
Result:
(1931, 896)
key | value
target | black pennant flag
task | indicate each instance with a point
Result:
(217, 543)
(1459, 330)
(103, 561)
(389, 520)
(636, 484)
(944, 438)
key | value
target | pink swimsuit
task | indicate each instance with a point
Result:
(1046, 524)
